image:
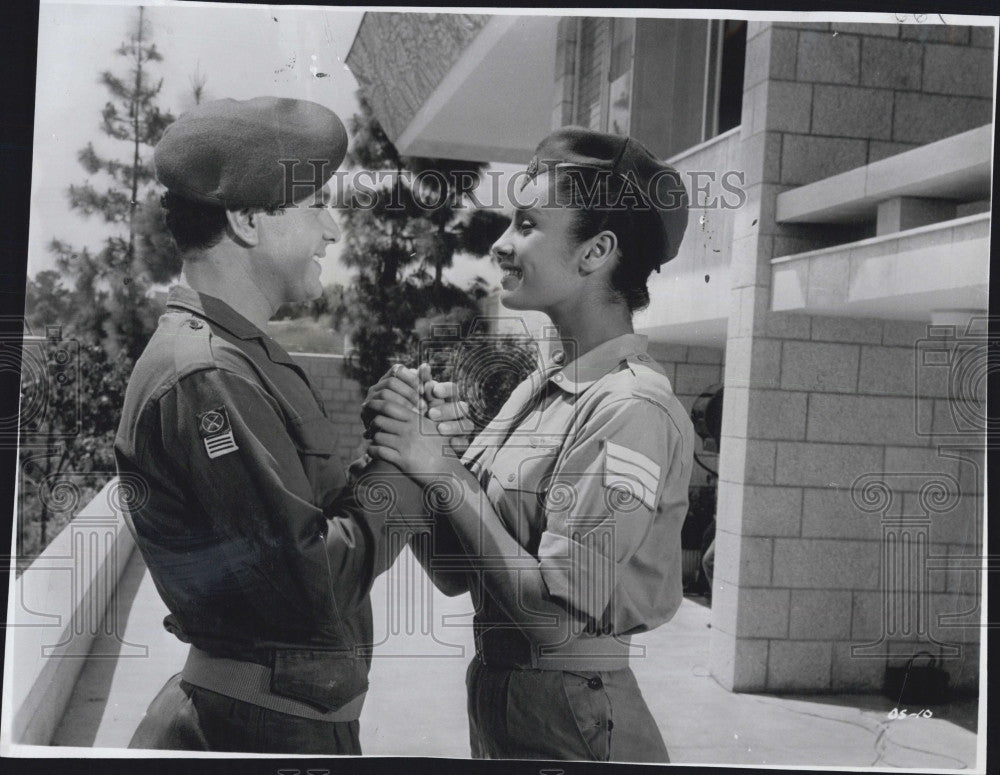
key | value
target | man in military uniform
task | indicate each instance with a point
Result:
(251, 533)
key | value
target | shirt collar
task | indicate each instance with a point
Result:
(580, 374)
(221, 314)
(214, 310)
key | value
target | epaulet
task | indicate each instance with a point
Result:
(651, 380)
(643, 365)
(193, 345)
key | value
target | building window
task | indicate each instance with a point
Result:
(671, 83)
(620, 75)
(591, 67)
(604, 63)
(730, 51)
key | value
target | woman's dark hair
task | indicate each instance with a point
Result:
(597, 201)
(194, 225)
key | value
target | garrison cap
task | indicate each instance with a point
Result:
(657, 186)
(235, 153)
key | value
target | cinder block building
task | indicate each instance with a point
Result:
(834, 275)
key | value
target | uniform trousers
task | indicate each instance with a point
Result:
(517, 713)
(184, 717)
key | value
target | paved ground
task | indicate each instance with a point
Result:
(416, 702)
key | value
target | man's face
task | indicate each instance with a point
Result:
(291, 242)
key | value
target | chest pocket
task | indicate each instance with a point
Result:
(314, 435)
(315, 440)
(524, 468)
(517, 487)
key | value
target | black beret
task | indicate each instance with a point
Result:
(657, 186)
(235, 153)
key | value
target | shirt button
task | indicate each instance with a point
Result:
(558, 356)
(595, 683)
(196, 324)
(511, 477)
(557, 378)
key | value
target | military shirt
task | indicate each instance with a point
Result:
(588, 466)
(245, 519)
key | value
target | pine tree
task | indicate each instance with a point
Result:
(112, 284)
(401, 240)
(73, 379)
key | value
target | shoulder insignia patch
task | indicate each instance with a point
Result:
(217, 432)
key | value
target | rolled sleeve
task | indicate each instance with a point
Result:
(272, 542)
(601, 502)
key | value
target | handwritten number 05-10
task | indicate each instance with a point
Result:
(897, 713)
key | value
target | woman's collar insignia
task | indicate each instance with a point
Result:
(532, 167)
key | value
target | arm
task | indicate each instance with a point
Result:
(516, 583)
(445, 542)
(382, 487)
(414, 388)
(582, 546)
(295, 562)
(451, 416)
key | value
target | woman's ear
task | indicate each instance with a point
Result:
(600, 250)
(242, 226)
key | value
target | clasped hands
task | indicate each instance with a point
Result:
(416, 423)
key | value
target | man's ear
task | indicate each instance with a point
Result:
(601, 248)
(242, 226)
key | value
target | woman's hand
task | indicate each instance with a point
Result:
(410, 442)
(445, 408)
(414, 388)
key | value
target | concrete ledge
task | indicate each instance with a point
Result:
(55, 611)
(689, 297)
(957, 167)
(905, 275)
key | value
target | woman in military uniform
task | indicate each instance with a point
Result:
(569, 504)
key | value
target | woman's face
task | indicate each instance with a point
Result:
(537, 253)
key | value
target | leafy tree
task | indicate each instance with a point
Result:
(73, 382)
(71, 399)
(315, 309)
(486, 367)
(46, 301)
(401, 235)
(124, 194)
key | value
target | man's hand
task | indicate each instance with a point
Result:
(414, 389)
(398, 385)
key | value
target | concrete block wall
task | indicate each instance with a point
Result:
(342, 396)
(843, 95)
(825, 415)
(801, 550)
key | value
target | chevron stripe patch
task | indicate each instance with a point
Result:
(631, 470)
